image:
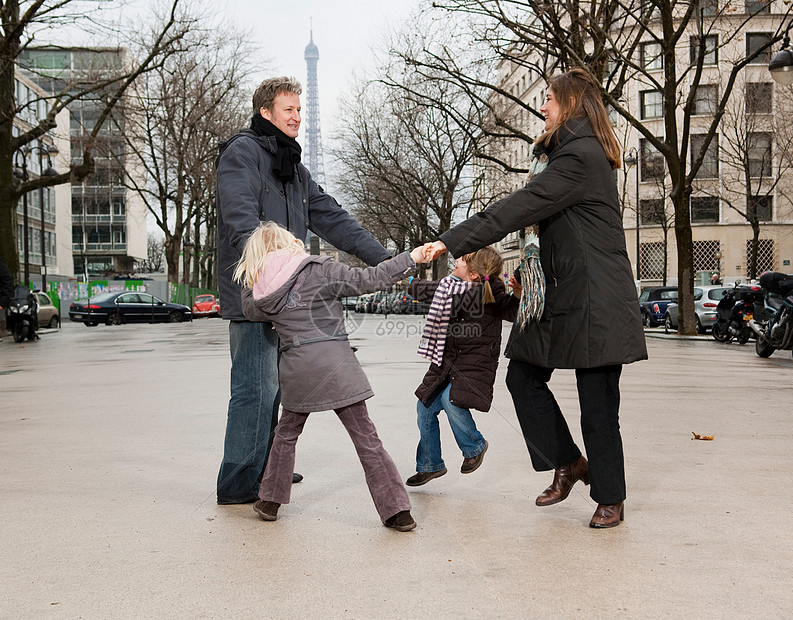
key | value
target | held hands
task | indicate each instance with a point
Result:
(428, 252)
(421, 254)
(436, 249)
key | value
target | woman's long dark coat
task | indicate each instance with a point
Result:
(591, 315)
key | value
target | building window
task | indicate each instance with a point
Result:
(759, 41)
(710, 162)
(653, 260)
(651, 162)
(758, 152)
(651, 57)
(711, 54)
(708, 7)
(649, 10)
(757, 7)
(706, 100)
(763, 207)
(651, 104)
(704, 209)
(758, 97)
(704, 255)
(765, 255)
(651, 211)
(614, 116)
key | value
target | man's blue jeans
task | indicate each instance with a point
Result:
(467, 436)
(253, 410)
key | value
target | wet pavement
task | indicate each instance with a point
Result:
(110, 439)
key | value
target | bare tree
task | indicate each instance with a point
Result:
(406, 157)
(155, 254)
(174, 119)
(620, 43)
(21, 22)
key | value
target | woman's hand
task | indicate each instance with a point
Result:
(436, 249)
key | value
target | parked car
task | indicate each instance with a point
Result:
(706, 298)
(127, 307)
(206, 305)
(48, 314)
(653, 303)
(373, 301)
(405, 304)
(363, 300)
(349, 303)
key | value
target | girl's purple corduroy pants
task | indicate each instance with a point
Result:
(385, 485)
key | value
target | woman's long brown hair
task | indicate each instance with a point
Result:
(578, 96)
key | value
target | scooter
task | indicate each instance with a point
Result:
(734, 311)
(773, 320)
(21, 316)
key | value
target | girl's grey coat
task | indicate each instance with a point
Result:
(318, 368)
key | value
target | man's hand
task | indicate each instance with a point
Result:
(436, 249)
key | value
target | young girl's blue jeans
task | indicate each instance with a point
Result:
(467, 436)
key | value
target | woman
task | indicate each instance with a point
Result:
(591, 318)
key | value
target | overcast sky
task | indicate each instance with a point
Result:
(345, 31)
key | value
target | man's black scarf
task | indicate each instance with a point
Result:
(288, 154)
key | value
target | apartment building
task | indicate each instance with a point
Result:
(752, 148)
(43, 215)
(108, 223)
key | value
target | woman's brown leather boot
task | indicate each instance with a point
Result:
(563, 480)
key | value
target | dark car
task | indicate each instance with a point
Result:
(405, 304)
(653, 303)
(127, 307)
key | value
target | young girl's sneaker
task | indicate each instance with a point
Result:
(472, 464)
(401, 521)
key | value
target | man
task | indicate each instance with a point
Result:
(260, 178)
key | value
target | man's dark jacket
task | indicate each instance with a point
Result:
(591, 315)
(248, 193)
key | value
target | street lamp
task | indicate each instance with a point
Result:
(631, 158)
(21, 172)
(781, 65)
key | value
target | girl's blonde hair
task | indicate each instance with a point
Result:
(487, 264)
(268, 237)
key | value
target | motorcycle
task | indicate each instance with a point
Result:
(773, 317)
(21, 316)
(734, 312)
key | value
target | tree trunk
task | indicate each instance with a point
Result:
(8, 199)
(173, 244)
(685, 260)
(753, 247)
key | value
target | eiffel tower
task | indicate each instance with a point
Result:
(314, 160)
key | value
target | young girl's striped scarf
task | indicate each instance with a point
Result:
(433, 338)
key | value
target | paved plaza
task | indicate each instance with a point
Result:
(110, 440)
